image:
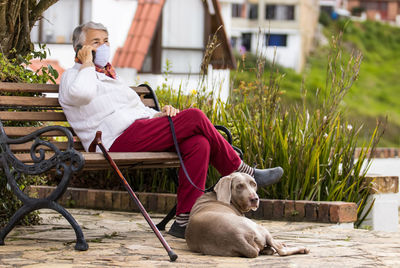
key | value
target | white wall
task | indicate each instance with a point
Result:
(386, 167)
(117, 16)
(226, 13)
(177, 34)
(217, 82)
(288, 56)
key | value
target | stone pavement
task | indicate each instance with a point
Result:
(122, 239)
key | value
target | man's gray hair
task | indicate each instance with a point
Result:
(79, 34)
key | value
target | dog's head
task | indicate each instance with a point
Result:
(238, 189)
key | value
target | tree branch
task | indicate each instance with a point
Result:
(40, 8)
(3, 19)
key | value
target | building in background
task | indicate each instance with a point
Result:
(334, 8)
(287, 25)
(380, 10)
(144, 34)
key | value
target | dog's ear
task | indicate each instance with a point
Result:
(223, 189)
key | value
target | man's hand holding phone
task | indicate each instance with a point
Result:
(85, 54)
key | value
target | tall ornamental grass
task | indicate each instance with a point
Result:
(315, 147)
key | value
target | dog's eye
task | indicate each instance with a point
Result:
(240, 186)
(253, 184)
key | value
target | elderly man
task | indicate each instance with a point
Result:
(94, 98)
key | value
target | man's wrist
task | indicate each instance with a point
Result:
(159, 114)
(87, 64)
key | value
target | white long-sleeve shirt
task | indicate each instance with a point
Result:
(93, 101)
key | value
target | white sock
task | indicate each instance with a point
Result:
(244, 168)
(182, 219)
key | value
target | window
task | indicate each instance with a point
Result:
(276, 40)
(270, 11)
(327, 9)
(246, 41)
(60, 20)
(253, 11)
(233, 42)
(279, 12)
(289, 12)
(237, 10)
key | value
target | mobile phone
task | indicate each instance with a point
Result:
(78, 47)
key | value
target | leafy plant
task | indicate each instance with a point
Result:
(15, 70)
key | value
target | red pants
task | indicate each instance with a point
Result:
(199, 143)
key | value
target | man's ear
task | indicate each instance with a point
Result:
(223, 189)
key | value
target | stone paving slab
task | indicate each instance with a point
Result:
(123, 239)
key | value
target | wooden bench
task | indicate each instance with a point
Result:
(48, 146)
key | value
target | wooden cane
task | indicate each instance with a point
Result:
(92, 147)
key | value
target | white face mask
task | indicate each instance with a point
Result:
(102, 55)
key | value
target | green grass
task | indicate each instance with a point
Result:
(376, 93)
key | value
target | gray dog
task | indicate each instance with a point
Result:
(217, 225)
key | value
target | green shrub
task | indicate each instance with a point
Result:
(324, 18)
(356, 11)
(15, 70)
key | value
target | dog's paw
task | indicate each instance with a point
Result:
(267, 251)
(305, 250)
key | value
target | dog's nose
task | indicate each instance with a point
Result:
(254, 200)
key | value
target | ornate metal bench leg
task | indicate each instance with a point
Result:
(80, 239)
(18, 215)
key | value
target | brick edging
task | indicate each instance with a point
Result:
(381, 152)
(299, 210)
(269, 209)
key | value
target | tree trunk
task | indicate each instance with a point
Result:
(17, 18)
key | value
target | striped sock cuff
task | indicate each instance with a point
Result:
(244, 168)
(182, 219)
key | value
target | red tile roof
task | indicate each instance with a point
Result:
(37, 64)
(138, 40)
(143, 28)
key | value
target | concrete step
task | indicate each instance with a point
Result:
(384, 215)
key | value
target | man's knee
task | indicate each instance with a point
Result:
(196, 114)
(201, 145)
(197, 144)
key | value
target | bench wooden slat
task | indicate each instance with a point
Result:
(24, 147)
(141, 90)
(29, 101)
(132, 157)
(153, 159)
(149, 102)
(23, 131)
(25, 87)
(33, 116)
(105, 166)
